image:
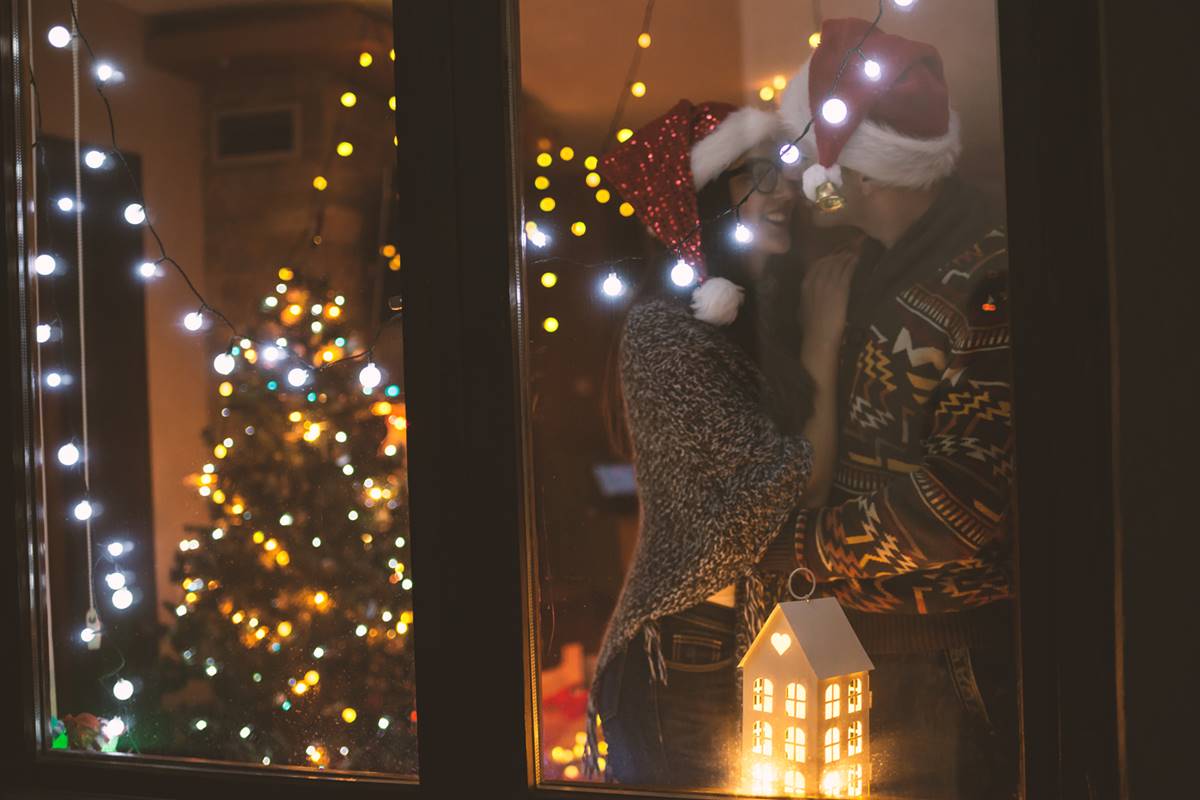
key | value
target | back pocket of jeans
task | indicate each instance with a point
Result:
(693, 650)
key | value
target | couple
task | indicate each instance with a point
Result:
(850, 417)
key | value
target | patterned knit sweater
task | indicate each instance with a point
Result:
(917, 535)
(716, 478)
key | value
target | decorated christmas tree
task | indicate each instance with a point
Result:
(295, 618)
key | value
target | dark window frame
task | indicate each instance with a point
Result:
(469, 481)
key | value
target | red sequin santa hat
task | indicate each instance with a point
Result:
(888, 117)
(666, 163)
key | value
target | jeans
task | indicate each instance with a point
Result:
(944, 725)
(683, 734)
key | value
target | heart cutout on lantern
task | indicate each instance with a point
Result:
(781, 642)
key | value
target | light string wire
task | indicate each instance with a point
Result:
(92, 614)
(630, 74)
(164, 258)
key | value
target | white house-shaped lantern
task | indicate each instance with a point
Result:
(806, 699)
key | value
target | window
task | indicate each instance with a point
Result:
(793, 781)
(762, 778)
(833, 701)
(794, 704)
(761, 734)
(854, 692)
(833, 745)
(793, 744)
(763, 691)
(854, 732)
(854, 781)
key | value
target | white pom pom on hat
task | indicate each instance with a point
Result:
(717, 300)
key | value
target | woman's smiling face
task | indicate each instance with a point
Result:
(770, 199)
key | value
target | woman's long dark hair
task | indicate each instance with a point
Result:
(767, 327)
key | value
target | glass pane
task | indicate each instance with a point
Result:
(765, 357)
(223, 495)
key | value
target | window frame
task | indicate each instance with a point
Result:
(465, 371)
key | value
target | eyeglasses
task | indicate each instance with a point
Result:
(764, 174)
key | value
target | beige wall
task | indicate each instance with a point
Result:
(159, 118)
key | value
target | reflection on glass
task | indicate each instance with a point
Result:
(226, 508)
(770, 361)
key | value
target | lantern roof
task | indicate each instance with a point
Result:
(823, 634)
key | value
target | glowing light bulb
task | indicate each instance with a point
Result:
(224, 363)
(115, 549)
(544, 159)
(613, 286)
(814, 41)
(115, 580)
(538, 238)
(392, 102)
(872, 69)
(123, 689)
(94, 159)
(370, 376)
(766, 94)
(789, 154)
(834, 111)
(742, 234)
(779, 82)
(43, 332)
(603, 195)
(638, 89)
(65, 204)
(201, 724)
(549, 280)
(360, 631)
(82, 510)
(147, 269)
(54, 379)
(135, 214)
(245, 732)
(113, 728)
(592, 179)
(193, 321)
(550, 324)
(45, 264)
(643, 40)
(682, 273)
(105, 72)
(320, 183)
(58, 36)
(383, 723)
(68, 454)
(344, 149)
(626, 209)
(578, 228)
(905, 3)
(624, 135)
(349, 99)
(122, 599)
(297, 376)
(547, 204)
(365, 59)
(87, 635)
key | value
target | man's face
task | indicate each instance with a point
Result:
(854, 197)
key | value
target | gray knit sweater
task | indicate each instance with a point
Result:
(716, 478)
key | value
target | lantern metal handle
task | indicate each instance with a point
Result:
(811, 577)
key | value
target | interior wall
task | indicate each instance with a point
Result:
(159, 117)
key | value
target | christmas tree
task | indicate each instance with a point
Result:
(295, 620)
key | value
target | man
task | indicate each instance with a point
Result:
(915, 539)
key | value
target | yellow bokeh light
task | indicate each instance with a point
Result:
(392, 102)
(382, 408)
(320, 183)
(218, 497)
(530, 226)
(282, 558)
(544, 159)
(258, 537)
(344, 149)
(394, 264)
(578, 228)
(779, 82)
(365, 59)
(284, 628)
(295, 416)
(271, 544)
(225, 389)
(766, 94)
(333, 312)
(401, 627)
(237, 618)
(567, 153)
(624, 135)
(549, 280)
(591, 162)
(550, 324)
(191, 597)
(392, 54)
(285, 274)
(375, 493)
(547, 204)
(251, 356)
(312, 677)
(349, 714)
(220, 451)
(300, 687)
(320, 598)
(388, 250)
(237, 508)
(406, 617)
(638, 89)
(815, 39)
(626, 210)
(348, 99)
(643, 40)
(603, 195)
(541, 183)
(592, 179)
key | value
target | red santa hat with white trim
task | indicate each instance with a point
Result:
(663, 166)
(887, 116)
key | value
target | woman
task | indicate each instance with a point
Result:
(722, 453)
